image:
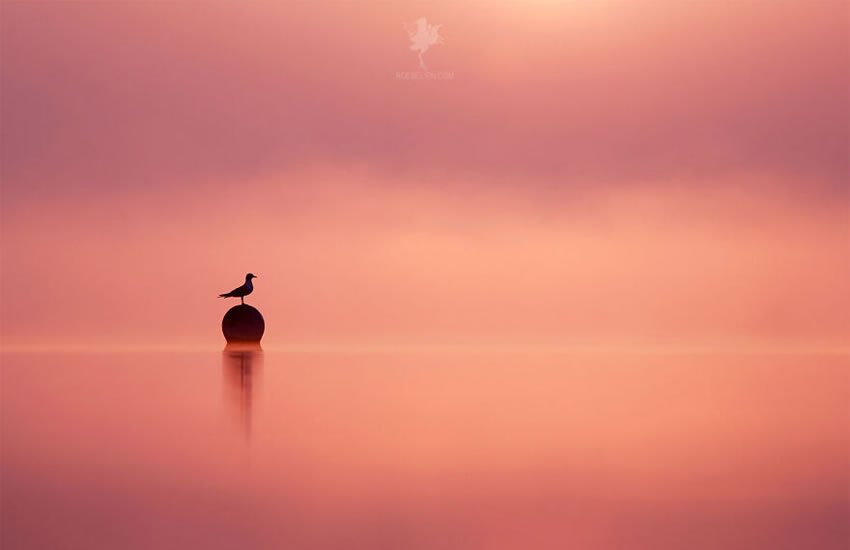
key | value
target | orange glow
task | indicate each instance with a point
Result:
(345, 260)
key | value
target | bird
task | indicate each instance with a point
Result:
(242, 291)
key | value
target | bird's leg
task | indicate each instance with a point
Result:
(243, 300)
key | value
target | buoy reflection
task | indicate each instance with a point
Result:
(242, 370)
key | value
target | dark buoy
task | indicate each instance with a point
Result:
(243, 324)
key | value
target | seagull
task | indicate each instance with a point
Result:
(242, 291)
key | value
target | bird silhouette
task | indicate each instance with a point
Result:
(242, 291)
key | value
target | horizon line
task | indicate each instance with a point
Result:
(442, 348)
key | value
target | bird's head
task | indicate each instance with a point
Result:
(250, 276)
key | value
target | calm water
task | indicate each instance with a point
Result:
(423, 451)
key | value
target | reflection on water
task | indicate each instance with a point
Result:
(242, 376)
(423, 451)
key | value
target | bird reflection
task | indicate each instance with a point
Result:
(242, 369)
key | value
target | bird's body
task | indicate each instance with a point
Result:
(242, 291)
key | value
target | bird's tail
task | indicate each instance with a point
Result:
(224, 295)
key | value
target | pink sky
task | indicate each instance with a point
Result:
(651, 174)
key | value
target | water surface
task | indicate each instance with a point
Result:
(423, 451)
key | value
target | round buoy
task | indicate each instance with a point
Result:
(243, 323)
